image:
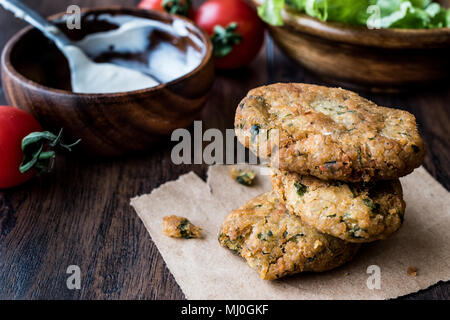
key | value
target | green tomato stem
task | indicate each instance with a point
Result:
(35, 153)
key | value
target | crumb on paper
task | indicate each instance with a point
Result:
(412, 271)
(244, 177)
(180, 227)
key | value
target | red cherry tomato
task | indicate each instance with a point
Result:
(226, 13)
(151, 5)
(181, 7)
(15, 124)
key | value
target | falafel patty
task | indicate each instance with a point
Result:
(329, 133)
(351, 212)
(276, 243)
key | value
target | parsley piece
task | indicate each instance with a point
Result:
(372, 205)
(301, 188)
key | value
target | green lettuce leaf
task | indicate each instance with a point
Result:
(348, 11)
(414, 14)
(317, 9)
(270, 12)
(418, 14)
(298, 5)
(422, 4)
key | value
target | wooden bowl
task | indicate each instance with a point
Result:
(357, 57)
(36, 78)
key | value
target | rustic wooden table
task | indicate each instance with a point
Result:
(80, 213)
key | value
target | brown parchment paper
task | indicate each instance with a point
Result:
(205, 270)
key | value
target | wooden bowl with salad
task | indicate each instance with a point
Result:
(385, 46)
(37, 78)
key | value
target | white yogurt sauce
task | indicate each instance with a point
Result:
(166, 62)
(89, 77)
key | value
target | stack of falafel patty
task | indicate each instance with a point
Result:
(336, 159)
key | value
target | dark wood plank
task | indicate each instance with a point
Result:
(80, 213)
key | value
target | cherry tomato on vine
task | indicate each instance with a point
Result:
(24, 148)
(236, 31)
(180, 7)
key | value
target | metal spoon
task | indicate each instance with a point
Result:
(86, 75)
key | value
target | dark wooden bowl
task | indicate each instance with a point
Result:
(36, 78)
(357, 57)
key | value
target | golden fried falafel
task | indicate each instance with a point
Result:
(329, 133)
(353, 212)
(276, 243)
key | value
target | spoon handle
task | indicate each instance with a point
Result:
(22, 11)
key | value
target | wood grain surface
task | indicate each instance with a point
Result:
(80, 213)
